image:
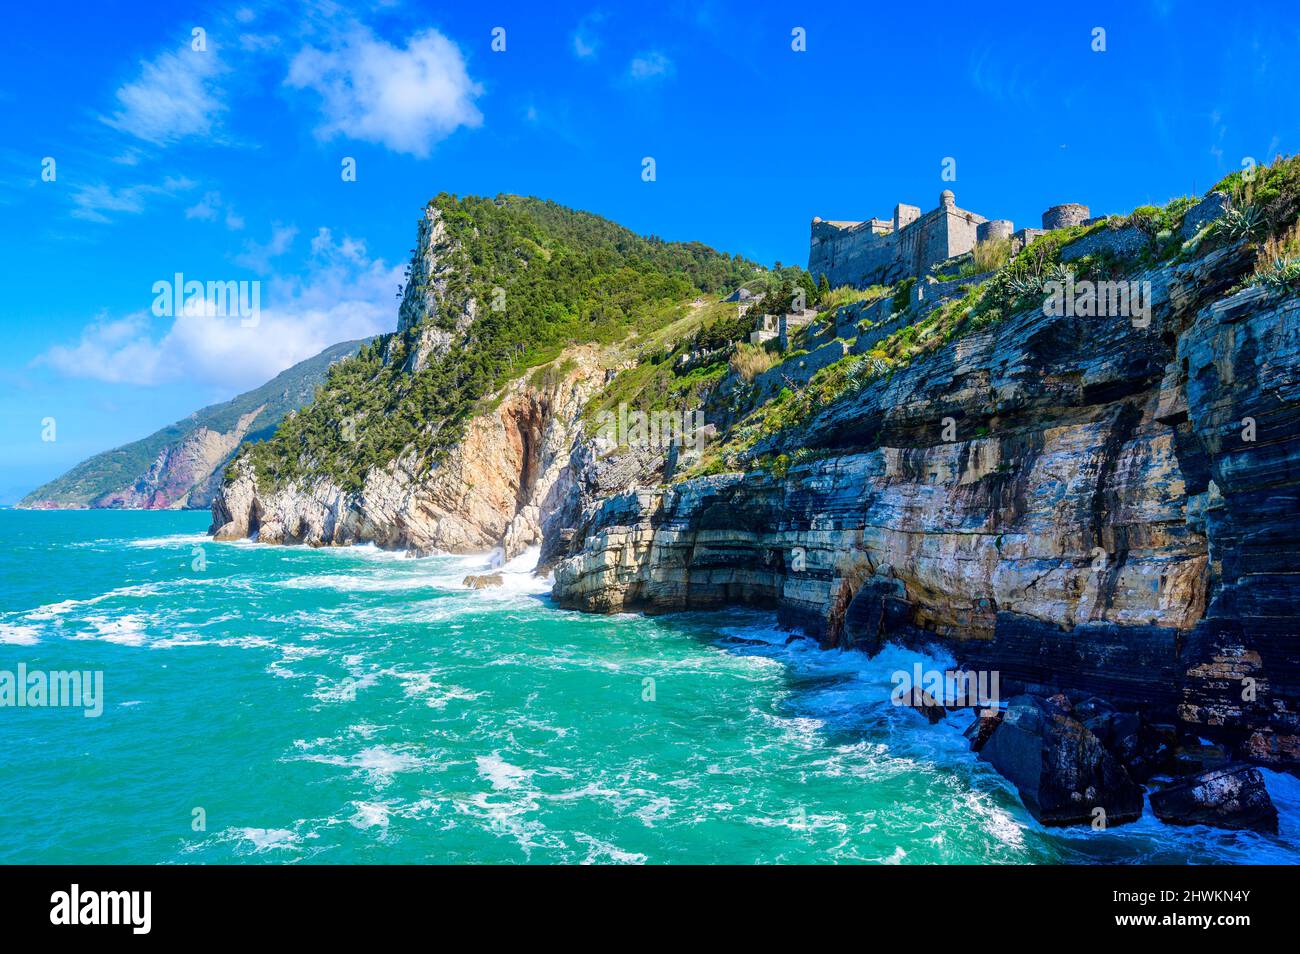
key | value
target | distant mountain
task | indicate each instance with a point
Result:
(180, 466)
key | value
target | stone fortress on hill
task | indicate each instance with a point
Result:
(884, 251)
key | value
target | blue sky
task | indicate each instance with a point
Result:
(224, 163)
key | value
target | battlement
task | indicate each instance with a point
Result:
(885, 251)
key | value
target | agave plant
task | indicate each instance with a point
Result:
(867, 368)
(1035, 278)
(1240, 222)
(1279, 273)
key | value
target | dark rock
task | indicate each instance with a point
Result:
(924, 703)
(1195, 757)
(979, 731)
(1061, 703)
(1118, 732)
(1232, 796)
(1061, 770)
(1092, 707)
(1129, 666)
(1155, 750)
(866, 619)
(1142, 748)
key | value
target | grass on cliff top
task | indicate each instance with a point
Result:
(1266, 212)
(1273, 191)
(656, 382)
(568, 278)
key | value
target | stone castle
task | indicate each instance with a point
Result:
(884, 251)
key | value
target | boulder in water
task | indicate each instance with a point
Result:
(924, 703)
(979, 731)
(1061, 770)
(1232, 796)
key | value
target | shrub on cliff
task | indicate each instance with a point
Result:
(748, 361)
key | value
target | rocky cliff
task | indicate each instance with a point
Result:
(1077, 502)
(455, 433)
(489, 491)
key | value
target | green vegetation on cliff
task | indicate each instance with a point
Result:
(561, 278)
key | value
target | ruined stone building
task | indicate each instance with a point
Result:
(884, 251)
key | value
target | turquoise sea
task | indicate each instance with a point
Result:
(288, 705)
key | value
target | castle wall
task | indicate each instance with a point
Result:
(849, 256)
(869, 253)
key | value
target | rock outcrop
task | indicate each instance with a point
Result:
(1063, 773)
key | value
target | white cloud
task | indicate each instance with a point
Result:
(175, 96)
(256, 256)
(212, 207)
(353, 250)
(650, 65)
(343, 295)
(586, 42)
(116, 351)
(405, 99)
(94, 202)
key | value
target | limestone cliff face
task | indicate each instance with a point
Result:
(1089, 505)
(437, 259)
(1116, 513)
(184, 475)
(489, 492)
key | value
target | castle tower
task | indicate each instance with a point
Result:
(947, 200)
(1064, 216)
(905, 215)
(994, 229)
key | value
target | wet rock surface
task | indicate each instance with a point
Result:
(1232, 796)
(1063, 773)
